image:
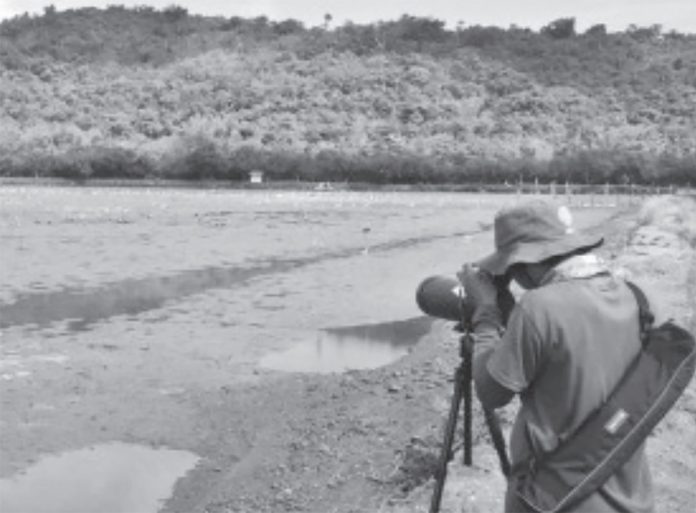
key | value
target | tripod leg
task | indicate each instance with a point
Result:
(496, 433)
(467, 379)
(446, 449)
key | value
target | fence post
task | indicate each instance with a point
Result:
(567, 192)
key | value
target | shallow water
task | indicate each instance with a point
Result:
(350, 348)
(109, 478)
(57, 238)
(84, 306)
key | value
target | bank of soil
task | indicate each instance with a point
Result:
(363, 441)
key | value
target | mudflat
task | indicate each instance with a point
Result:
(272, 338)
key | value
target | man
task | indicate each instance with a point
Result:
(565, 345)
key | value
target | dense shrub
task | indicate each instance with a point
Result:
(118, 163)
(207, 161)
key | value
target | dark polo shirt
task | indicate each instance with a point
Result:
(566, 346)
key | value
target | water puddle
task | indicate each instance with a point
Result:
(113, 478)
(83, 307)
(354, 347)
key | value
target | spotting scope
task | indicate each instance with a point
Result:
(443, 297)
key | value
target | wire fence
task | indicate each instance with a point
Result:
(590, 194)
(570, 193)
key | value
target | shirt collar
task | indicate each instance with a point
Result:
(576, 267)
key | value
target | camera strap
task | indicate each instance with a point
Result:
(611, 434)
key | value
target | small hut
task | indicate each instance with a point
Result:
(256, 176)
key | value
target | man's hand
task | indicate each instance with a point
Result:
(489, 297)
(506, 301)
(479, 287)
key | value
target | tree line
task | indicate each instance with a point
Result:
(161, 93)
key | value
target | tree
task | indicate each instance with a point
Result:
(597, 30)
(260, 22)
(480, 37)
(644, 33)
(174, 13)
(233, 23)
(460, 28)
(421, 30)
(288, 26)
(562, 28)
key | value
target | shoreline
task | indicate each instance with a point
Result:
(556, 190)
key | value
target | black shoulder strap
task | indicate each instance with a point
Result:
(645, 315)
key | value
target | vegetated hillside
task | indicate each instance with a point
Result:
(140, 92)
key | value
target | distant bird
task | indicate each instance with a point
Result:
(365, 231)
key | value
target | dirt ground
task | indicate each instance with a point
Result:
(362, 441)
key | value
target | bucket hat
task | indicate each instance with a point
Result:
(532, 232)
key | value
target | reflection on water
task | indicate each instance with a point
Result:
(356, 347)
(113, 478)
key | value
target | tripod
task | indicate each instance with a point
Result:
(463, 377)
